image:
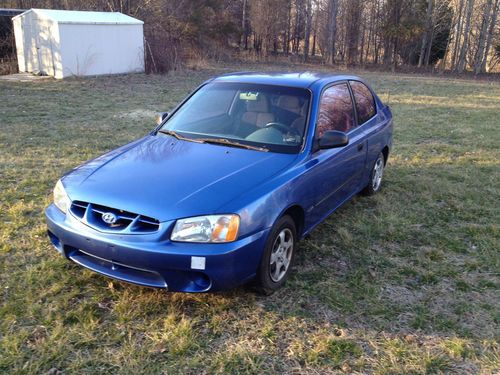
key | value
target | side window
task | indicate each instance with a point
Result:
(335, 110)
(365, 104)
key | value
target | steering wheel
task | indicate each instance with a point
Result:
(282, 128)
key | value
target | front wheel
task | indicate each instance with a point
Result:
(376, 176)
(278, 256)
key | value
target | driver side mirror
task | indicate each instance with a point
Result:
(333, 139)
(160, 116)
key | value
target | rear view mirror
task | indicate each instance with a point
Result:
(249, 95)
(160, 116)
(333, 139)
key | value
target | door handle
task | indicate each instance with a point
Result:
(360, 146)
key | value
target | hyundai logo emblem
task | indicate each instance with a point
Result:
(109, 218)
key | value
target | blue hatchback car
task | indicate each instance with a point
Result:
(222, 190)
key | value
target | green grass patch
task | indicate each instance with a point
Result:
(405, 282)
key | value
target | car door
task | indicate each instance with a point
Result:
(371, 124)
(338, 171)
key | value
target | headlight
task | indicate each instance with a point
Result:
(211, 228)
(61, 199)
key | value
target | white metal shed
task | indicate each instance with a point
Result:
(63, 43)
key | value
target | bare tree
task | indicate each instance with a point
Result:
(462, 34)
(353, 30)
(333, 7)
(458, 35)
(427, 31)
(465, 45)
(244, 30)
(491, 31)
(308, 26)
(478, 58)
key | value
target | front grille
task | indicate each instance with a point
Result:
(115, 270)
(126, 222)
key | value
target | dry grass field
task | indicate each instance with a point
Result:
(406, 282)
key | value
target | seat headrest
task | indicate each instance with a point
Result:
(299, 124)
(259, 105)
(289, 102)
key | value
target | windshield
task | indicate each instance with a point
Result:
(266, 117)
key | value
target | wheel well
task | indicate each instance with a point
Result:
(385, 152)
(297, 214)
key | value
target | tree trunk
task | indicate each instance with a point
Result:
(307, 31)
(391, 43)
(395, 55)
(288, 27)
(458, 36)
(428, 25)
(442, 65)
(244, 25)
(296, 32)
(429, 49)
(362, 46)
(315, 33)
(465, 44)
(370, 35)
(397, 22)
(490, 36)
(352, 34)
(478, 58)
(376, 38)
(387, 50)
(333, 8)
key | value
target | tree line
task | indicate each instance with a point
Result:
(455, 35)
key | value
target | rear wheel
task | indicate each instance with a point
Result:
(278, 256)
(376, 176)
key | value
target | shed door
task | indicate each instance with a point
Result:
(44, 51)
(30, 45)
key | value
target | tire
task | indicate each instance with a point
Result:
(376, 175)
(278, 256)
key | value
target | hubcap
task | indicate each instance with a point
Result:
(378, 171)
(281, 255)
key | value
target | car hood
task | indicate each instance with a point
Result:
(165, 178)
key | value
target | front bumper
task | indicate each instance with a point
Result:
(152, 259)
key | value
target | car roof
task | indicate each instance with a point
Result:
(295, 79)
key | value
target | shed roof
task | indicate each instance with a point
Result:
(81, 17)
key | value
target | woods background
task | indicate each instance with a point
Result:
(446, 35)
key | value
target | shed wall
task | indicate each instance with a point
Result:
(37, 45)
(93, 49)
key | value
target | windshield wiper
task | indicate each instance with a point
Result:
(219, 141)
(227, 142)
(178, 136)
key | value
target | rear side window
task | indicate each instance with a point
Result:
(335, 110)
(365, 103)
